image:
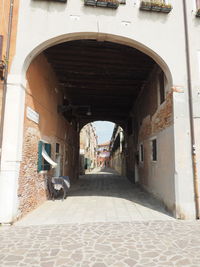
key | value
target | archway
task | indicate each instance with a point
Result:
(76, 82)
(136, 71)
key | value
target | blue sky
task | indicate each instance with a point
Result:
(104, 130)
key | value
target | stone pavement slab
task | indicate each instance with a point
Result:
(139, 244)
(103, 196)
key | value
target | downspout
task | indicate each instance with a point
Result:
(6, 72)
(189, 83)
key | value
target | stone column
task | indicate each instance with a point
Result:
(11, 148)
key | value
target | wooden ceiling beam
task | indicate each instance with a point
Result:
(103, 75)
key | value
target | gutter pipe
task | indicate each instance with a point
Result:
(189, 83)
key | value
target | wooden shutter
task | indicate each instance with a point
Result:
(198, 4)
(42, 163)
(47, 147)
(40, 159)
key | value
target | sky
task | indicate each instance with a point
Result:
(104, 130)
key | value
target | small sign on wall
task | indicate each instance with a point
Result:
(32, 115)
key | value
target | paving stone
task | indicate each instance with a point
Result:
(47, 264)
(158, 243)
(13, 258)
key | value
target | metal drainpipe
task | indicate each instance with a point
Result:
(189, 81)
(6, 72)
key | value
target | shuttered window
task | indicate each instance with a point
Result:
(42, 163)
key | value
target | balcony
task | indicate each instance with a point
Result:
(156, 6)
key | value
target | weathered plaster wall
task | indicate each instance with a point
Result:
(43, 96)
(130, 158)
(117, 161)
(4, 19)
(155, 120)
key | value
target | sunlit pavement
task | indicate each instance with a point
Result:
(101, 196)
(105, 221)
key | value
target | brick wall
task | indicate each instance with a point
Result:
(161, 119)
(43, 96)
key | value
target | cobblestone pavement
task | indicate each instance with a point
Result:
(139, 244)
(102, 196)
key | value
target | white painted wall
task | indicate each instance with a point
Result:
(43, 23)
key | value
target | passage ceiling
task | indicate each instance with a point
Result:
(105, 76)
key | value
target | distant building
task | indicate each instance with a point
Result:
(88, 148)
(117, 149)
(104, 155)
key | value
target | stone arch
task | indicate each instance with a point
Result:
(99, 37)
(91, 121)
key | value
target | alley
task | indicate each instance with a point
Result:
(101, 196)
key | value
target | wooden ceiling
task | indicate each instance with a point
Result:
(103, 76)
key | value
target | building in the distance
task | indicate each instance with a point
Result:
(117, 150)
(88, 148)
(104, 155)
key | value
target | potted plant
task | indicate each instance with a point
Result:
(166, 8)
(90, 2)
(102, 3)
(113, 3)
(145, 5)
(156, 6)
(198, 12)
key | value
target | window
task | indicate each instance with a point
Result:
(161, 83)
(154, 150)
(57, 148)
(141, 153)
(42, 163)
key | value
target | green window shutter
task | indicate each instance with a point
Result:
(47, 147)
(40, 167)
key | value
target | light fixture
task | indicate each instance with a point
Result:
(89, 113)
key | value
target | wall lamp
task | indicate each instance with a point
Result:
(70, 107)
